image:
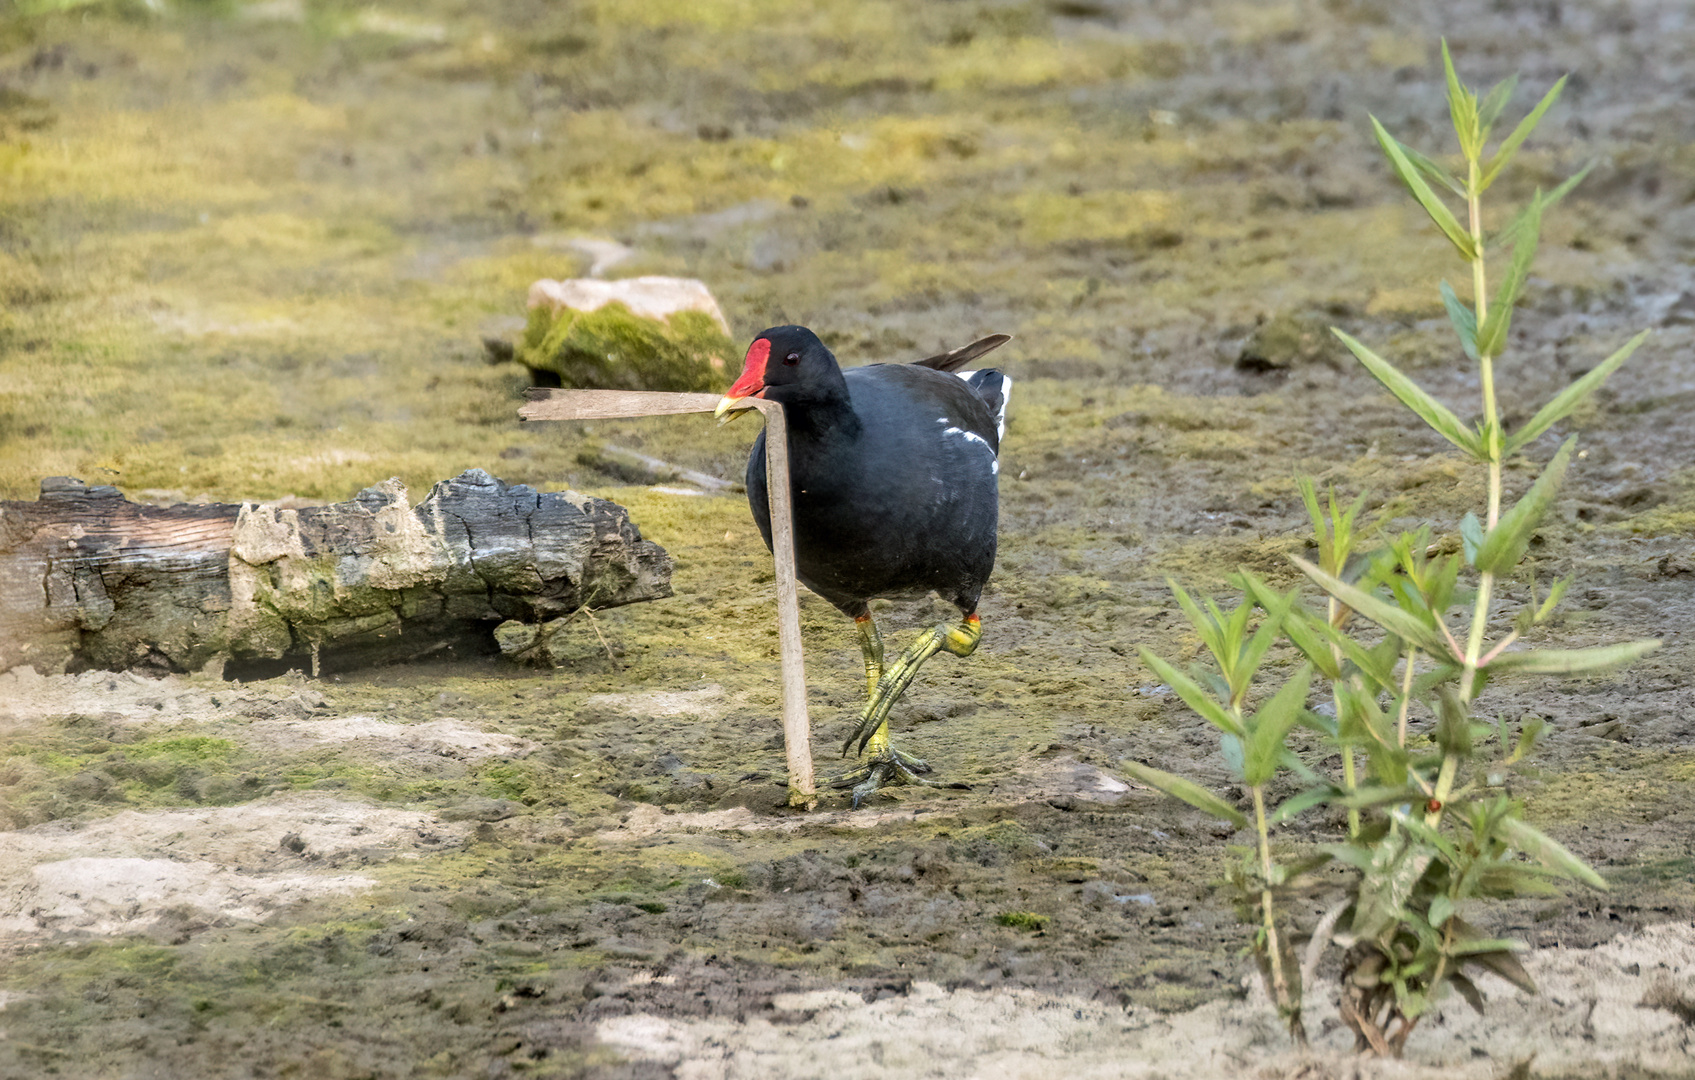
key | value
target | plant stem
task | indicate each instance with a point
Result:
(1349, 780)
(1491, 426)
(1406, 698)
(1274, 949)
(1435, 981)
(1492, 448)
(1444, 786)
(1480, 297)
(1485, 362)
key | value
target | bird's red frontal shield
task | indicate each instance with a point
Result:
(753, 371)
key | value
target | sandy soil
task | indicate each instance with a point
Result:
(249, 251)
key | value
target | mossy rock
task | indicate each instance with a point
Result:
(1289, 341)
(612, 348)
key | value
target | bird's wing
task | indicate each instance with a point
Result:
(958, 358)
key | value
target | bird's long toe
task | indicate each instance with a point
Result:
(890, 767)
(908, 762)
(877, 774)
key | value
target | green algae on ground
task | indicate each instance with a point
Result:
(1023, 920)
(614, 349)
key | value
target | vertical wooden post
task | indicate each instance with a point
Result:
(797, 725)
(545, 404)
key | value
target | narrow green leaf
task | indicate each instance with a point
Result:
(1505, 544)
(1212, 634)
(1209, 681)
(1295, 804)
(1468, 990)
(1440, 909)
(1254, 651)
(1479, 946)
(1508, 880)
(1414, 823)
(1510, 145)
(1369, 726)
(1193, 696)
(1571, 661)
(1556, 592)
(1289, 760)
(1388, 616)
(1509, 231)
(1492, 335)
(1363, 798)
(1349, 854)
(1533, 613)
(1574, 395)
(1489, 110)
(1433, 205)
(1343, 523)
(1527, 736)
(1471, 537)
(1376, 663)
(1270, 726)
(1302, 631)
(1437, 586)
(1433, 412)
(1315, 514)
(1431, 169)
(1187, 790)
(1504, 964)
(1463, 318)
(1446, 670)
(1235, 625)
(1548, 851)
(1230, 748)
(1388, 882)
(1318, 723)
(1462, 106)
(1453, 723)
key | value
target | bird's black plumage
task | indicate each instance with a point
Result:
(893, 469)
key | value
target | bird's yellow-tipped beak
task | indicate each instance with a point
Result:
(750, 384)
(730, 408)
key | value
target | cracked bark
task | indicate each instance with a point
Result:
(91, 580)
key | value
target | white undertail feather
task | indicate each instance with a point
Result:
(1006, 396)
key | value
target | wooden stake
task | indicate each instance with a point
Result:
(546, 404)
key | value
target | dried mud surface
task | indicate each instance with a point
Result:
(247, 251)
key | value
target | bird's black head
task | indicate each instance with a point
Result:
(785, 363)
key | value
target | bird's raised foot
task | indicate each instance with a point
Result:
(959, 639)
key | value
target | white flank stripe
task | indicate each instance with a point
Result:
(970, 436)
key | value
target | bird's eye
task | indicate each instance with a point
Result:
(792, 359)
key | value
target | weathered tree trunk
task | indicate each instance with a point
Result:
(91, 580)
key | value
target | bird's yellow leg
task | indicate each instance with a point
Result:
(871, 643)
(886, 763)
(958, 638)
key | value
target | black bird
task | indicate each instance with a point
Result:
(893, 471)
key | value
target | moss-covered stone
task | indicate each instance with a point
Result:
(1287, 341)
(613, 348)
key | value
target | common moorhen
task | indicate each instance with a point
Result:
(893, 471)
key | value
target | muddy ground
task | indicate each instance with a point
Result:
(251, 250)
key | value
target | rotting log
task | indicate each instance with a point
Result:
(89, 579)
